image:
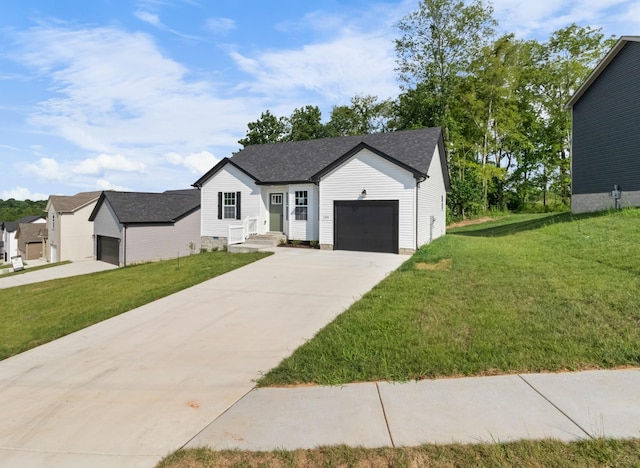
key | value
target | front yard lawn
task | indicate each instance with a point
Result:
(526, 293)
(34, 314)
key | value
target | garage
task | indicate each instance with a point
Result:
(366, 225)
(108, 250)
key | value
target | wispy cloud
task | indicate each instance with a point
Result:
(220, 25)
(154, 20)
(197, 163)
(104, 162)
(539, 19)
(347, 65)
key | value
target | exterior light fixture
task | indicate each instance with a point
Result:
(364, 193)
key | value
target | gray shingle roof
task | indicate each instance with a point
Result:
(302, 161)
(11, 226)
(142, 208)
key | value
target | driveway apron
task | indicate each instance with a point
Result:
(129, 390)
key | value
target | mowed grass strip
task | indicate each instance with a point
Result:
(526, 293)
(38, 313)
(551, 453)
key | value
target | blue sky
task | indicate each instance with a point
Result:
(147, 95)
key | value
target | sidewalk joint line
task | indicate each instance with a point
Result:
(556, 407)
(384, 413)
(206, 426)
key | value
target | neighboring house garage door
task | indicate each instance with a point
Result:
(108, 250)
(366, 225)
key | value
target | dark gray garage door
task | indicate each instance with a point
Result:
(366, 225)
(108, 250)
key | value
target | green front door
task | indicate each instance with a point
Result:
(275, 212)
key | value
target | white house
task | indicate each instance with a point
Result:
(8, 241)
(383, 192)
(133, 227)
(70, 231)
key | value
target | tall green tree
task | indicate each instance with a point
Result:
(434, 53)
(560, 66)
(305, 123)
(365, 114)
(267, 129)
(438, 43)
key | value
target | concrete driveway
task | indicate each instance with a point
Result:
(129, 390)
(62, 271)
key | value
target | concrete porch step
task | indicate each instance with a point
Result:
(257, 243)
(247, 248)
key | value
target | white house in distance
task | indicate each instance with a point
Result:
(8, 241)
(382, 192)
(133, 227)
(70, 231)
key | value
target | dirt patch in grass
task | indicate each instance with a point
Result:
(468, 222)
(444, 264)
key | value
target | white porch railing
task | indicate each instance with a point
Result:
(238, 233)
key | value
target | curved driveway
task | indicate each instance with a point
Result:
(129, 390)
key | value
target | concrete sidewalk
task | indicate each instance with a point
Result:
(63, 271)
(565, 406)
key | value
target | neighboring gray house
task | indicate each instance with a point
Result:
(8, 241)
(606, 132)
(134, 227)
(383, 192)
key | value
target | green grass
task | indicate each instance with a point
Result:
(37, 313)
(525, 293)
(546, 453)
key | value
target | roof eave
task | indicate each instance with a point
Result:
(215, 169)
(356, 149)
(604, 63)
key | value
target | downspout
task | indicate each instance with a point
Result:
(124, 247)
(419, 181)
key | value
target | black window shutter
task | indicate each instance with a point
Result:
(219, 205)
(238, 215)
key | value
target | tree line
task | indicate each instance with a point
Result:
(500, 102)
(13, 210)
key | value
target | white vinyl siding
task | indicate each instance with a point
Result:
(305, 230)
(382, 179)
(228, 179)
(432, 202)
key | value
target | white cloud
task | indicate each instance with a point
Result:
(197, 163)
(102, 162)
(220, 25)
(348, 65)
(117, 94)
(151, 18)
(103, 184)
(539, 19)
(22, 193)
(48, 169)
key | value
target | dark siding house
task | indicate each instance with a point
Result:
(606, 132)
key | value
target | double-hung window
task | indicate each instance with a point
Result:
(229, 205)
(301, 205)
